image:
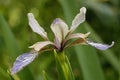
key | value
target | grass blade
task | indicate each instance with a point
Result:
(108, 54)
(9, 38)
(89, 62)
(87, 74)
(45, 76)
(12, 47)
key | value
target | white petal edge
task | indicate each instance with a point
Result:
(22, 61)
(79, 18)
(60, 29)
(35, 26)
(39, 45)
(100, 46)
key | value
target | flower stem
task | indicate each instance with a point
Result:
(63, 66)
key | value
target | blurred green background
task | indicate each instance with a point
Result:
(102, 20)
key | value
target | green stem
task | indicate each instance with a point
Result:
(63, 66)
(45, 76)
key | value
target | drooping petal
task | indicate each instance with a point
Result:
(99, 45)
(60, 29)
(22, 61)
(81, 38)
(39, 45)
(76, 42)
(36, 27)
(79, 18)
(78, 35)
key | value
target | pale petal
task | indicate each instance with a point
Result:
(57, 44)
(39, 45)
(76, 42)
(100, 46)
(22, 61)
(60, 29)
(79, 18)
(35, 26)
(81, 39)
(78, 35)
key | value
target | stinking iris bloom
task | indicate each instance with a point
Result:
(62, 35)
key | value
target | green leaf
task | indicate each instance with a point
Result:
(63, 66)
(89, 62)
(45, 76)
(102, 10)
(3, 74)
(9, 38)
(88, 74)
(69, 7)
(12, 47)
(108, 54)
(13, 77)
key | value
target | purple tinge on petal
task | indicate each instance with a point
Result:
(79, 18)
(22, 61)
(57, 20)
(36, 27)
(60, 29)
(100, 46)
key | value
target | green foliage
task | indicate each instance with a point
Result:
(63, 66)
(102, 20)
(45, 76)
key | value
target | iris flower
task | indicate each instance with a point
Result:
(62, 34)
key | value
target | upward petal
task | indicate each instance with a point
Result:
(60, 29)
(79, 18)
(35, 26)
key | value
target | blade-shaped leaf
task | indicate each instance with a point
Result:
(89, 63)
(99, 45)
(35, 26)
(45, 76)
(11, 46)
(8, 37)
(23, 60)
(87, 68)
(89, 72)
(108, 54)
(79, 18)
